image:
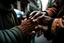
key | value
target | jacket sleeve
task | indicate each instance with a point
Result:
(13, 35)
(53, 10)
(48, 34)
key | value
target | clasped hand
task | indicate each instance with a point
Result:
(41, 19)
(36, 21)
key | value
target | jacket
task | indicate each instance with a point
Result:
(9, 32)
(57, 9)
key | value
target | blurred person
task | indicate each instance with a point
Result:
(10, 30)
(52, 22)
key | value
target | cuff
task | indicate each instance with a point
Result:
(20, 32)
(47, 34)
(46, 13)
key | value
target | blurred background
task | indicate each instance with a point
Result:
(23, 7)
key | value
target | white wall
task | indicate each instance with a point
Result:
(44, 4)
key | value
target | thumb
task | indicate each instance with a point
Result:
(41, 27)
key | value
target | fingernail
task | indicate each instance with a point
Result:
(29, 17)
(34, 20)
(36, 27)
(33, 32)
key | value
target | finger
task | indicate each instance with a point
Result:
(39, 33)
(41, 27)
(38, 27)
(43, 13)
(33, 32)
(25, 19)
(36, 15)
(32, 14)
(21, 21)
(39, 18)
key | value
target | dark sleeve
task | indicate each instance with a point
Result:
(48, 34)
(13, 35)
(53, 11)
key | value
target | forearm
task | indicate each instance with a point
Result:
(53, 10)
(48, 34)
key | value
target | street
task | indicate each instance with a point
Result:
(41, 39)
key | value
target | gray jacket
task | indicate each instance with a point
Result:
(9, 32)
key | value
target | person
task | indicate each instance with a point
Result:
(10, 30)
(52, 22)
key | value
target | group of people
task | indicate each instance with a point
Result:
(51, 24)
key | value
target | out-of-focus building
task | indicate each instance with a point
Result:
(50, 3)
(25, 5)
(47, 4)
(21, 5)
(35, 5)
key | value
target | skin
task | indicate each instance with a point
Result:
(38, 17)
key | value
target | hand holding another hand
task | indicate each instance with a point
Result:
(41, 19)
(36, 18)
(27, 26)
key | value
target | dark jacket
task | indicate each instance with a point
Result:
(9, 32)
(56, 11)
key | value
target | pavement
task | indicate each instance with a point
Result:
(41, 39)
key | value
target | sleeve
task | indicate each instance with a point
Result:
(13, 35)
(48, 34)
(53, 10)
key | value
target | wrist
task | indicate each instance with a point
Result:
(27, 26)
(25, 30)
(45, 13)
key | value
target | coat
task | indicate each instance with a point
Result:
(57, 9)
(9, 32)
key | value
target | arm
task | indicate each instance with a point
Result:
(16, 34)
(11, 36)
(48, 34)
(53, 10)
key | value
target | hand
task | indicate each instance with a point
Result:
(37, 13)
(39, 17)
(41, 27)
(27, 26)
